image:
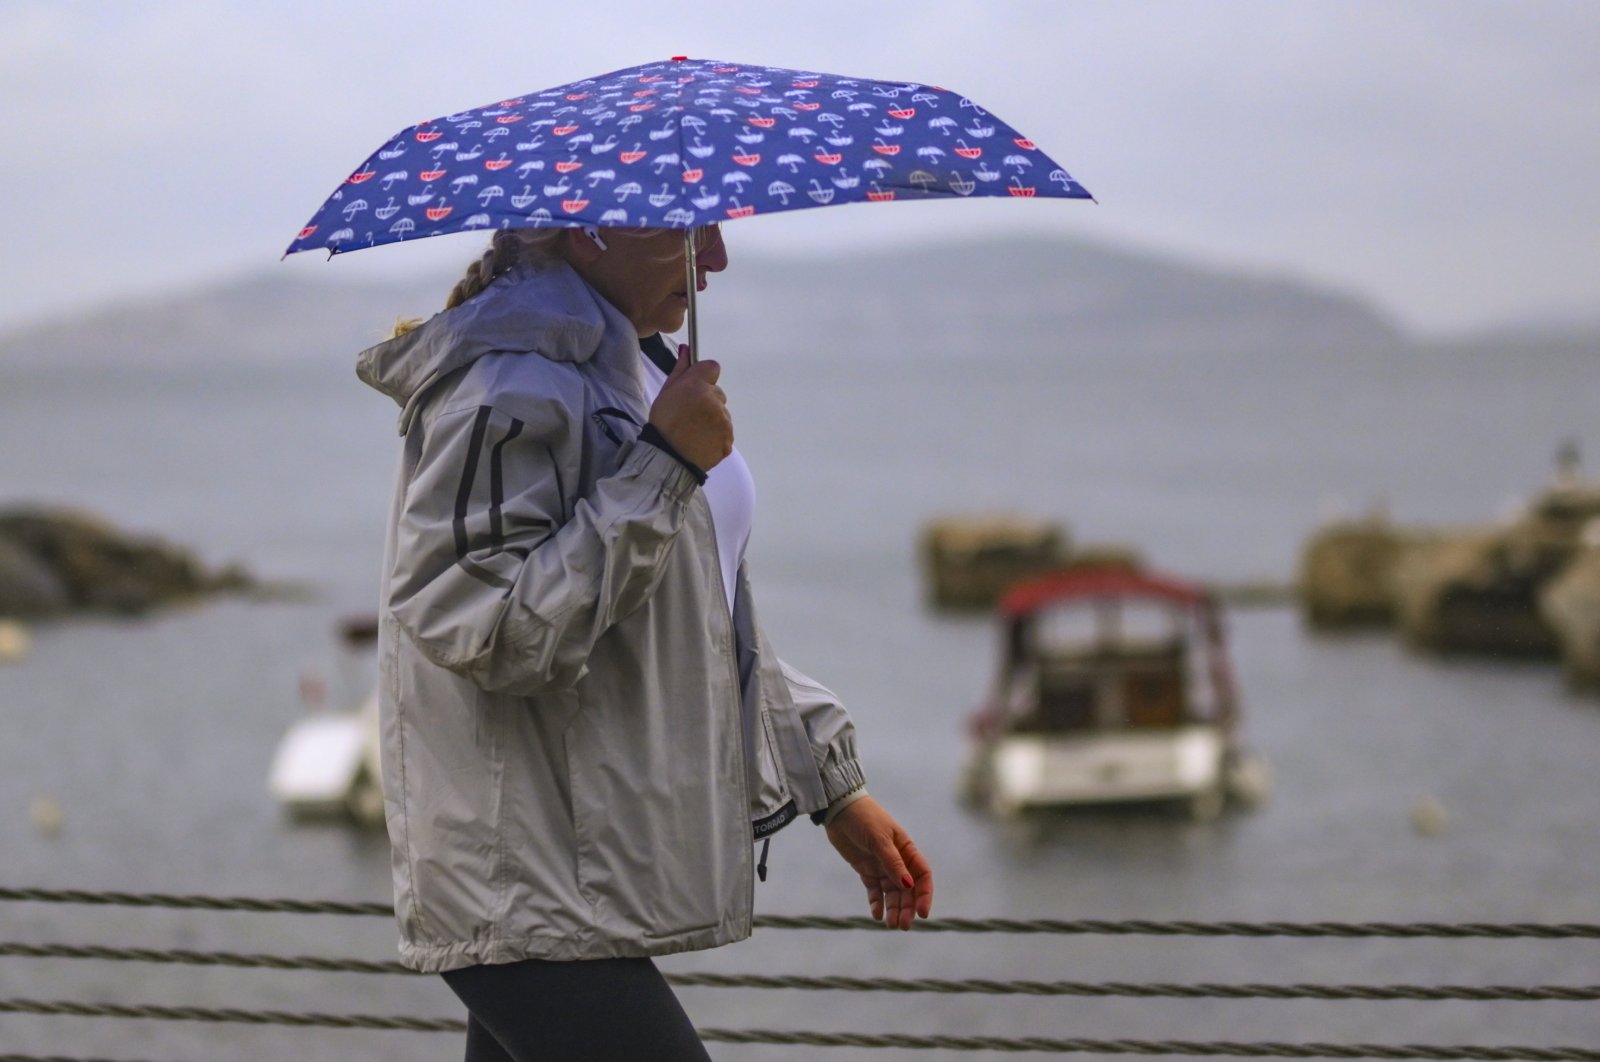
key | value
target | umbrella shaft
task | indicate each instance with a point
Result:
(693, 278)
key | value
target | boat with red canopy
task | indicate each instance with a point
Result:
(1115, 685)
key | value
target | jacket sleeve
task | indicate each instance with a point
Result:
(502, 575)
(831, 732)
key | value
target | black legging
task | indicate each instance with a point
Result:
(609, 1010)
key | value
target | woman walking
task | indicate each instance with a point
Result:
(585, 731)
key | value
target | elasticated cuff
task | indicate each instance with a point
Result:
(831, 812)
(650, 435)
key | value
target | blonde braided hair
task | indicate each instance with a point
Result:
(507, 249)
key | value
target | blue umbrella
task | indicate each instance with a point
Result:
(680, 144)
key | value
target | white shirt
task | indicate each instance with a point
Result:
(729, 488)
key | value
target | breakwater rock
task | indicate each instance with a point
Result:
(1528, 585)
(968, 562)
(1348, 571)
(56, 562)
(1570, 604)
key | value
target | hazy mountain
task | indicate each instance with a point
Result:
(954, 298)
(260, 317)
(1557, 328)
(1064, 296)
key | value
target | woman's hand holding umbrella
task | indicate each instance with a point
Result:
(897, 876)
(691, 413)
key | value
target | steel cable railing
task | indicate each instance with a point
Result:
(1366, 993)
(1054, 926)
(835, 983)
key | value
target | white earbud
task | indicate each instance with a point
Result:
(594, 234)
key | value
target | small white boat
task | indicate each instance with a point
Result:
(1114, 687)
(326, 765)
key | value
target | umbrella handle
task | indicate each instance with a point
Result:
(693, 276)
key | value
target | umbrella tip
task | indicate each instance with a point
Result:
(680, 58)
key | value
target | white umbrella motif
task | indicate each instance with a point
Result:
(718, 147)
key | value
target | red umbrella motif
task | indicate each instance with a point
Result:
(681, 144)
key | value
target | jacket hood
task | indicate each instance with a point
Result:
(542, 307)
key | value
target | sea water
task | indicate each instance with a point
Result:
(154, 736)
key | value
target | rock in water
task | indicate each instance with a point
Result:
(57, 561)
(28, 587)
(45, 814)
(1428, 816)
(14, 641)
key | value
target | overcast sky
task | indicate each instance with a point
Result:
(1439, 156)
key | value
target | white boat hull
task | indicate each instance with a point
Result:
(327, 764)
(1031, 770)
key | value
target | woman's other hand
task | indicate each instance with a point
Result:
(691, 412)
(898, 879)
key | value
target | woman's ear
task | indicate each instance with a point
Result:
(578, 248)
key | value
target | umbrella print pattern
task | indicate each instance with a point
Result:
(677, 144)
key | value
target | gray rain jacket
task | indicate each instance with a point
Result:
(579, 742)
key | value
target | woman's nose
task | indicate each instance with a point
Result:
(714, 257)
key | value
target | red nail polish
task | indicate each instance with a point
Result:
(906, 881)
